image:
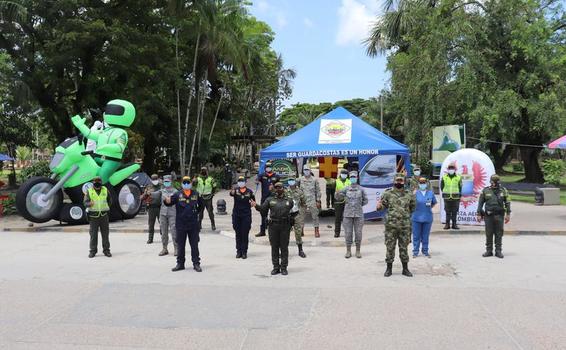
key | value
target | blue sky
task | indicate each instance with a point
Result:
(321, 40)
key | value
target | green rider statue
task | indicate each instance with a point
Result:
(111, 141)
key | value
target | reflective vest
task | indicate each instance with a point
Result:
(341, 184)
(451, 187)
(204, 187)
(100, 201)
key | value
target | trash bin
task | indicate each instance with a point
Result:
(547, 196)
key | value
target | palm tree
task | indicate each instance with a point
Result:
(12, 11)
(389, 29)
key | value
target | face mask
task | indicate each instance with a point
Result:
(494, 183)
(292, 182)
(167, 183)
(268, 169)
(279, 190)
(203, 173)
(343, 176)
(451, 171)
(307, 172)
(353, 180)
(399, 185)
(97, 185)
(155, 182)
(241, 184)
(422, 187)
(417, 172)
(187, 186)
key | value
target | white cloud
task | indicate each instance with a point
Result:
(262, 6)
(354, 20)
(307, 22)
(281, 20)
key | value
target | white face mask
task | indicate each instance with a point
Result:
(451, 171)
(155, 182)
(307, 172)
(268, 169)
(417, 172)
(241, 184)
(343, 176)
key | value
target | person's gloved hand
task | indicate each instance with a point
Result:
(78, 121)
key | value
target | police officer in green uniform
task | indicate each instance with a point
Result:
(206, 187)
(279, 208)
(451, 187)
(496, 212)
(97, 202)
(341, 182)
(152, 197)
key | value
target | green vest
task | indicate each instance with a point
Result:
(451, 187)
(100, 201)
(204, 187)
(341, 184)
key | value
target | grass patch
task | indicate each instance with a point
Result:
(531, 198)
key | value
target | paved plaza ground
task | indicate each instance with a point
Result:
(53, 297)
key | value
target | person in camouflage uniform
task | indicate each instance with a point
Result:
(299, 209)
(414, 182)
(400, 203)
(355, 198)
(497, 211)
(167, 216)
(311, 189)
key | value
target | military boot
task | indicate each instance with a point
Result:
(388, 270)
(358, 253)
(499, 254)
(150, 238)
(488, 253)
(301, 253)
(178, 267)
(348, 251)
(447, 226)
(406, 271)
(316, 232)
(213, 225)
(455, 227)
(164, 251)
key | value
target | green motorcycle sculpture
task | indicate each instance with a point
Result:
(41, 199)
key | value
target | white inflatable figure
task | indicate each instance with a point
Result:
(91, 144)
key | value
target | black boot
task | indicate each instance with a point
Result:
(150, 239)
(301, 253)
(499, 254)
(284, 271)
(455, 227)
(487, 253)
(179, 267)
(406, 271)
(197, 267)
(447, 226)
(260, 234)
(389, 269)
(244, 255)
(275, 271)
(238, 255)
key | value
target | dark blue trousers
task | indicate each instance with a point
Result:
(192, 233)
(242, 225)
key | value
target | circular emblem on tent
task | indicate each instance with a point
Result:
(76, 212)
(335, 129)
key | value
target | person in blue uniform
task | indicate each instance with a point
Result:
(242, 216)
(267, 181)
(188, 204)
(422, 217)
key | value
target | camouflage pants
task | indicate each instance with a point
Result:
(299, 226)
(397, 235)
(311, 207)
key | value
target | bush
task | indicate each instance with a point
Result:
(553, 171)
(9, 204)
(426, 166)
(40, 168)
(518, 167)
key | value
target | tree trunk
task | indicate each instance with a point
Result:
(215, 117)
(500, 158)
(177, 90)
(195, 58)
(533, 172)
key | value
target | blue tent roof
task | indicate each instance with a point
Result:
(4, 157)
(338, 133)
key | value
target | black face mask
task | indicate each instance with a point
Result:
(203, 173)
(399, 185)
(97, 185)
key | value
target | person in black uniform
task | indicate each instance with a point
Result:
(267, 181)
(279, 207)
(242, 216)
(188, 204)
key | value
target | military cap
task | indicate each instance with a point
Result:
(353, 173)
(494, 178)
(186, 179)
(306, 167)
(154, 177)
(399, 176)
(344, 171)
(203, 168)
(97, 179)
(268, 164)
(416, 167)
(278, 184)
(167, 178)
(241, 178)
(422, 179)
